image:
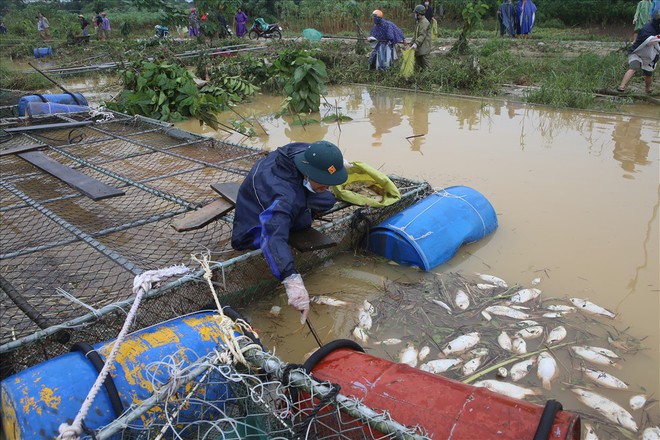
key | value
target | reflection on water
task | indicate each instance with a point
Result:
(576, 194)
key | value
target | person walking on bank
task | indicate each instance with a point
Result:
(45, 27)
(422, 41)
(83, 25)
(282, 193)
(644, 54)
(97, 20)
(642, 16)
(105, 27)
(241, 22)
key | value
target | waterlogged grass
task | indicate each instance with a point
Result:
(16, 80)
(546, 73)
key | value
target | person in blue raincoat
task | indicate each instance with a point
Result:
(526, 15)
(282, 193)
(385, 35)
(506, 14)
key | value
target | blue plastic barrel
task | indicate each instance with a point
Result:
(41, 52)
(50, 108)
(37, 400)
(430, 232)
(59, 98)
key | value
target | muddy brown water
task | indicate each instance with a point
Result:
(576, 195)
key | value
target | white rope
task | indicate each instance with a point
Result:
(141, 284)
(75, 300)
(226, 324)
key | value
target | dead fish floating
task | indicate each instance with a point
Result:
(506, 388)
(438, 366)
(389, 341)
(327, 301)
(360, 334)
(409, 356)
(546, 369)
(521, 369)
(472, 365)
(507, 312)
(462, 343)
(589, 307)
(462, 300)
(504, 340)
(442, 304)
(557, 334)
(611, 410)
(651, 433)
(604, 379)
(533, 332)
(525, 295)
(498, 282)
(519, 346)
(594, 357)
(637, 402)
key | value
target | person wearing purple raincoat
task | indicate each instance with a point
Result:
(241, 22)
(193, 24)
(525, 14)
(385, 35)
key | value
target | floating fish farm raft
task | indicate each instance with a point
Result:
(70, 251)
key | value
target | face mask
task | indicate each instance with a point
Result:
(308, 185)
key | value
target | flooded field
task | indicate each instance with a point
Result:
(576, 195)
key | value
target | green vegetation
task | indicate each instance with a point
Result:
(551, 66)
(167, 91)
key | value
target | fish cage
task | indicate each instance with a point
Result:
(69, 251)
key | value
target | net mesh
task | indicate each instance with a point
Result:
(67, 262)
(261, 398)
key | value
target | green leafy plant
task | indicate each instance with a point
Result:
(165, 91)
(471, 14)
(304, 79)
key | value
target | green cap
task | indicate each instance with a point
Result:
(323, 163)
(420, 9)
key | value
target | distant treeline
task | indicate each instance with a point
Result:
(343, 14)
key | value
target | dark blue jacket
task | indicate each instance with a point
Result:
(271, 202)
(649, 29)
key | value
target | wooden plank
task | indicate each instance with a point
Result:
(310, 240)
(21, 149)
(202, 216)
(228, 190)
(88, 186)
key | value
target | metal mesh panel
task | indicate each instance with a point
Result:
(67, 261)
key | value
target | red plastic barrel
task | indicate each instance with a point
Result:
(443, 407)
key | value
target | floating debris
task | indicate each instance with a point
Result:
(499, 338)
